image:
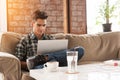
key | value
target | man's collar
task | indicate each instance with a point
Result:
(33, 36)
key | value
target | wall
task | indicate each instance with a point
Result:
(78, 16)
(19, 15)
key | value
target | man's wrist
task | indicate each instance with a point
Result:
(24, 65)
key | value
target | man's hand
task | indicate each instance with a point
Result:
(36, 60)
(24, 65)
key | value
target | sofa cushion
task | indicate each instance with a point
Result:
(59, 35)
(98, 47)
(9, 40)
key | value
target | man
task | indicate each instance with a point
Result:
(27, 47)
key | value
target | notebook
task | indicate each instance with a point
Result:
(45, 46)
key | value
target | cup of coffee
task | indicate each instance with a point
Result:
(51, 66)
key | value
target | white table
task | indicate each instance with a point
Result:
(86, 72)
(1, 76)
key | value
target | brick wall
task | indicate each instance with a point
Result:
(19, 15)
(54, 8)
(78, 16)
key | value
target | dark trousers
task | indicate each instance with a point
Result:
(61, 57)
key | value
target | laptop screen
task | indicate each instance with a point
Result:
(45, 46)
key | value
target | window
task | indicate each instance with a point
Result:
(3, 16)
(92, 12)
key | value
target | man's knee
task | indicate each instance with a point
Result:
(80, 52)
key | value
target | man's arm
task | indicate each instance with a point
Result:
(21, 53)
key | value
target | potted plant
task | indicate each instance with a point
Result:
(106, 12)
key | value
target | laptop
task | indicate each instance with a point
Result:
(45, 46)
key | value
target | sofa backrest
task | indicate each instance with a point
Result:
(9, 40)
(98, 47)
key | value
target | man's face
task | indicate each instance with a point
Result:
(39, 26)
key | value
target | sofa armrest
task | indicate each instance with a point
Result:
(10, 66)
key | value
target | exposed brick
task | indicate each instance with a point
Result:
(42, 7)
(49, 13)
(13, 23)
(22, 12)
(11, 29)
(23, 1)
(74, 8)
(51, 30)
(54, 13)
(52, 18)
(57, 13)
(20, 17)
(44, 1)
(78, 16)
(19, 29)
(60, 18)
(80, 23)
(74, 13)
(80, 19)
(75, 18)
(75, 2)
(57, 24)
(23, 23)
(36, 2)
(32, 1)
(51, 7)
(27, 17)
(83, 24)
(49, 23)
(10, 18)
(80, 7)
(79, 13)
(29, 6)
(12, 12)
(18, 5)
(11, 1)
(10, 5)
(60, 30)
(74, 23)
(56, 2)
(60, 7)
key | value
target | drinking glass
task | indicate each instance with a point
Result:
(72, 57)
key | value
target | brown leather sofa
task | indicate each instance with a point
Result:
(98, 47)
